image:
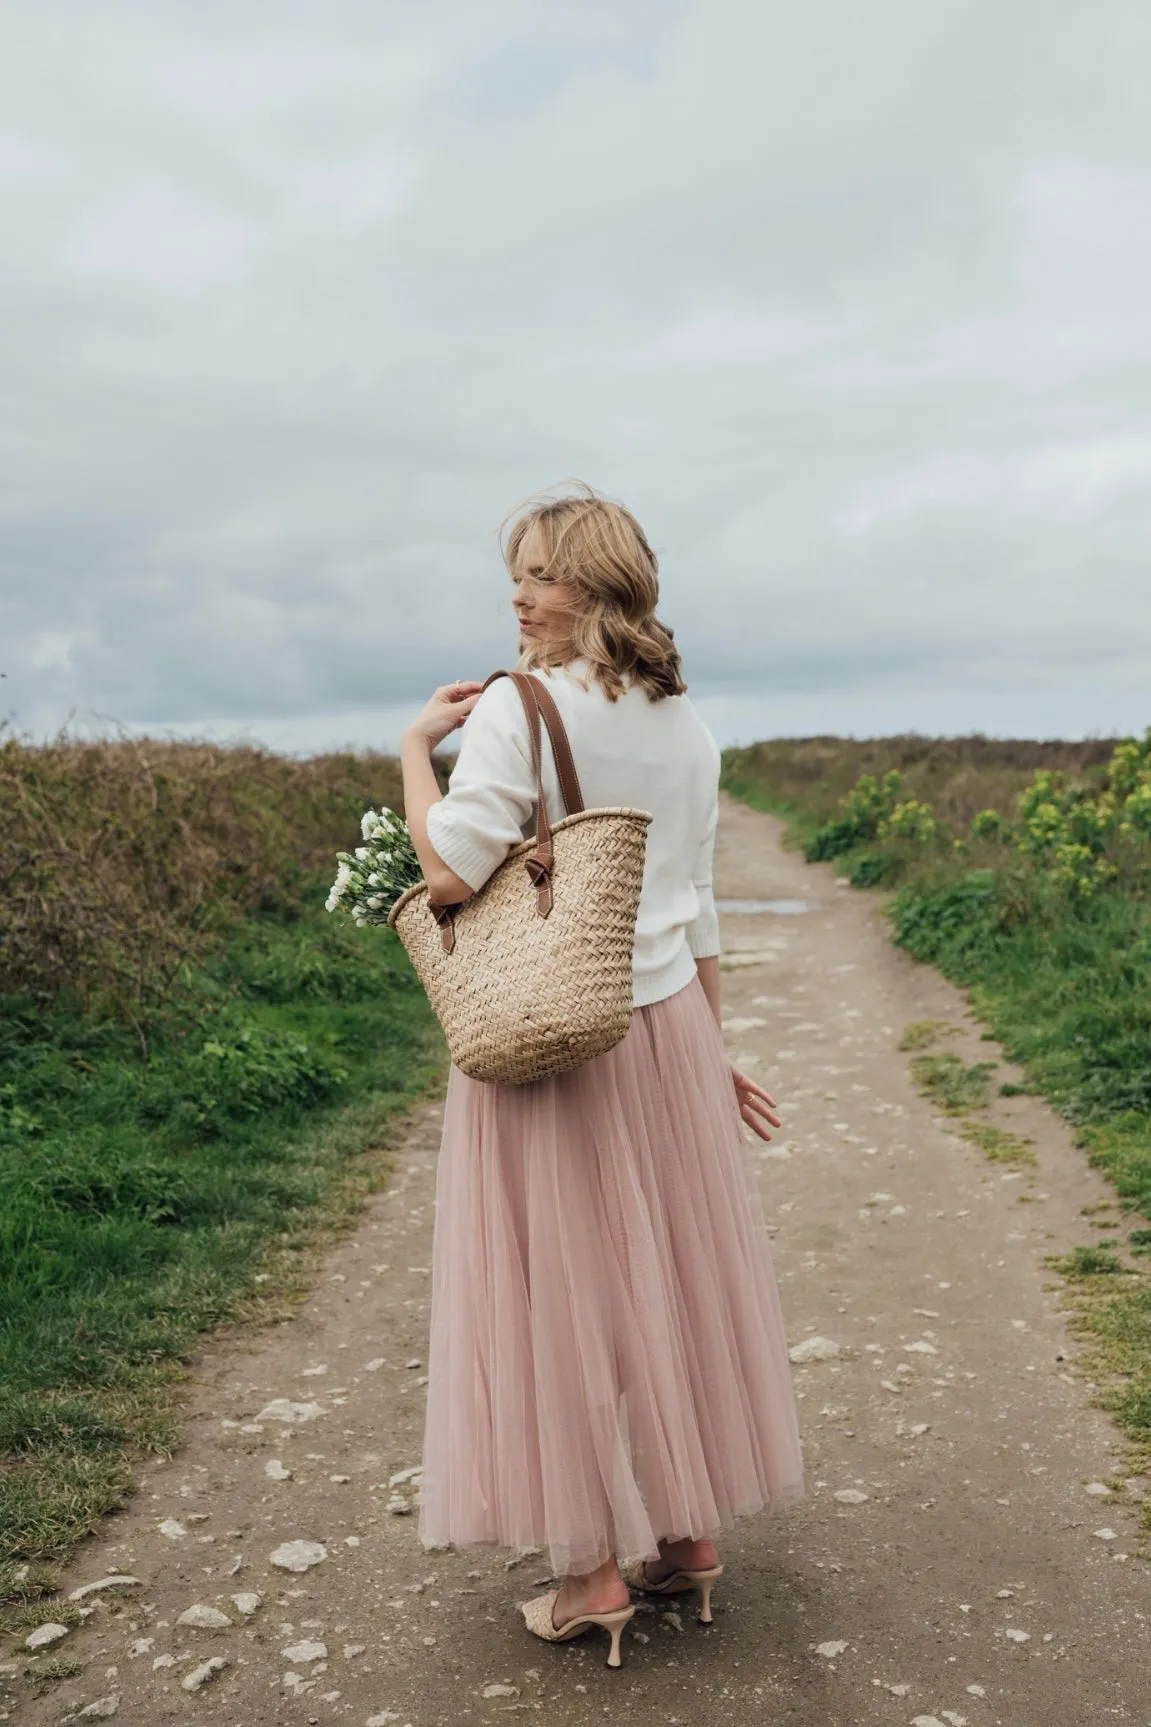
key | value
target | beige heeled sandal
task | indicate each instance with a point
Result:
(538, 1617)
(635, 1576)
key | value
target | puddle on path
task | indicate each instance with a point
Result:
(783, 907)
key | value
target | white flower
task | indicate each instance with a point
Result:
(362, 852)
(373, 880)
(375, 902)
(367, 823)
(343, 876)
(331, 903)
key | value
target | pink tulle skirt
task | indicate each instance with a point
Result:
(608, 1361)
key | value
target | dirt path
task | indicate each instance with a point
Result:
(949, 1558)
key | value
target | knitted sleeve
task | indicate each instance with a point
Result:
(491, 793)
(703, 931)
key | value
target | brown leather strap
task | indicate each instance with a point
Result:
(538, 863)
(561, 748)
(445, 916)
(534, 688)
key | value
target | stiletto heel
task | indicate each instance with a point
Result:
(539, 1619)
(635, 1576)
(614, 1658)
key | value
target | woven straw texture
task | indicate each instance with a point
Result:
(521, 996)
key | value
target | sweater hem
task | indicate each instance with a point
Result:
(653, 986)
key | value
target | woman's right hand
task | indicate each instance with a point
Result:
(447, 710)
(756, 1106)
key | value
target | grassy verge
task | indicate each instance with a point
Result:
(1063, 982)
(144, 1199)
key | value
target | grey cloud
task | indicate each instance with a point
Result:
(848, 303)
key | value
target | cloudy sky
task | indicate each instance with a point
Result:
(848, 299)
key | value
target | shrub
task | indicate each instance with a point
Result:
(869, 869)
(865, 807)
(833, 839)
(909, 820)
(1076, 839)
(957, 921)
(990, 825)
(122, 861)
(1129, 769)
(1136, 813)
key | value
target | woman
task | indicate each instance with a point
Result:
(608, 1368)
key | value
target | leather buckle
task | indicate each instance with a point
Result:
(540, 873)
(445, 916)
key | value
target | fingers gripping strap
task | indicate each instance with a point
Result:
(538, 864)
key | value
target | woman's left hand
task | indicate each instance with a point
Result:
(445, 712)
(756, 1106)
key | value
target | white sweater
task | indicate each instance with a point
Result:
(656, 756)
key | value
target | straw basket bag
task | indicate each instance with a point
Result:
(533, 975)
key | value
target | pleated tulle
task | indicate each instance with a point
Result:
(608, 1361)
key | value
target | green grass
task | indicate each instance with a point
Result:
(922, 1033)
(957, 1089)
(1064, 987)
(24, 1615)
(950, 1084)
(144, 1201)
(1068, 998)
(1068, 995)
(51, 1672)
(997, 1143)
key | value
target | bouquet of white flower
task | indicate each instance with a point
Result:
(371, 879)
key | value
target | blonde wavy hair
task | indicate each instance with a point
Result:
(598, 549)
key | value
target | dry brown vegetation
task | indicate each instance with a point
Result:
(119, 858)
(957, 776)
